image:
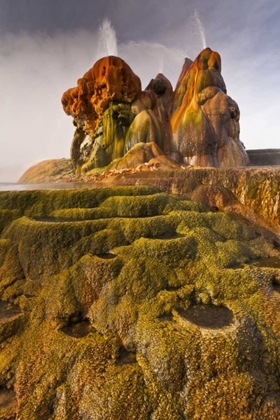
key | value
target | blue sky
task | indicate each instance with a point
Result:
(45, 46)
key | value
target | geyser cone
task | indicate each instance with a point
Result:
(205, 120)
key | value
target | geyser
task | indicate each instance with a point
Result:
(197, 124)
(108, 38)
(200, 28)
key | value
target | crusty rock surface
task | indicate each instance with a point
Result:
(109, 80)
(205, 120)
(129, 303)
(52, 170)
(112, 114)
(253, 191)
(197, 125)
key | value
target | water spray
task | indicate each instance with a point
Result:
(200, 28)
(107, 38)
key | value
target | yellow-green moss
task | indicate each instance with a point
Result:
(103, 280)
(7, 216)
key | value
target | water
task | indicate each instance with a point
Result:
(50, 186)
(161, 58)
(60, 186)
(208, 316)
(107, 38)
(200, 28)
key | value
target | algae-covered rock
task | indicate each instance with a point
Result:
(129, 303)
(253, 192)
(205, 120)
(198, 124)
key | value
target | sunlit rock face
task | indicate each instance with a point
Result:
(51, 170)
(111, 114)
(163, 89)
(109, 80)
(205, 120)
(198, 125)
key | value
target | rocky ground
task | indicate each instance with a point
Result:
(131, 303)
(251, 191)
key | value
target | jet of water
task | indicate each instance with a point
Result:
(200, 28)
(107, 38)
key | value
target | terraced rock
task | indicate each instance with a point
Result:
(129, 303)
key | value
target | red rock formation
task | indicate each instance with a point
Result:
(197, 125)
(112, 114)
(109, 80)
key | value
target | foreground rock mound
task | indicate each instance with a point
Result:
(198, 124)
(129, 303)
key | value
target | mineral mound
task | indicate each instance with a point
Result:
(205, 120)
(198, 124)
(129, 303)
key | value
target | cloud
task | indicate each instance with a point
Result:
(36, 69)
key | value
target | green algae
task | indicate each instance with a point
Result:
(4, 247)
(7, 216)
(103, 279)
(42, 202)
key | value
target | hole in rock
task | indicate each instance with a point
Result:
(125, 357)
(168, 236)
(276, 287)
(77, 329)
(234, 265)
(107, 256)
(173, 288)
(208, 316)
(270, 262)
(166, 317)
(8, 403)
(8, 311)
(56, 219)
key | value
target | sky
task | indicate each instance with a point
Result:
(46, 45)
